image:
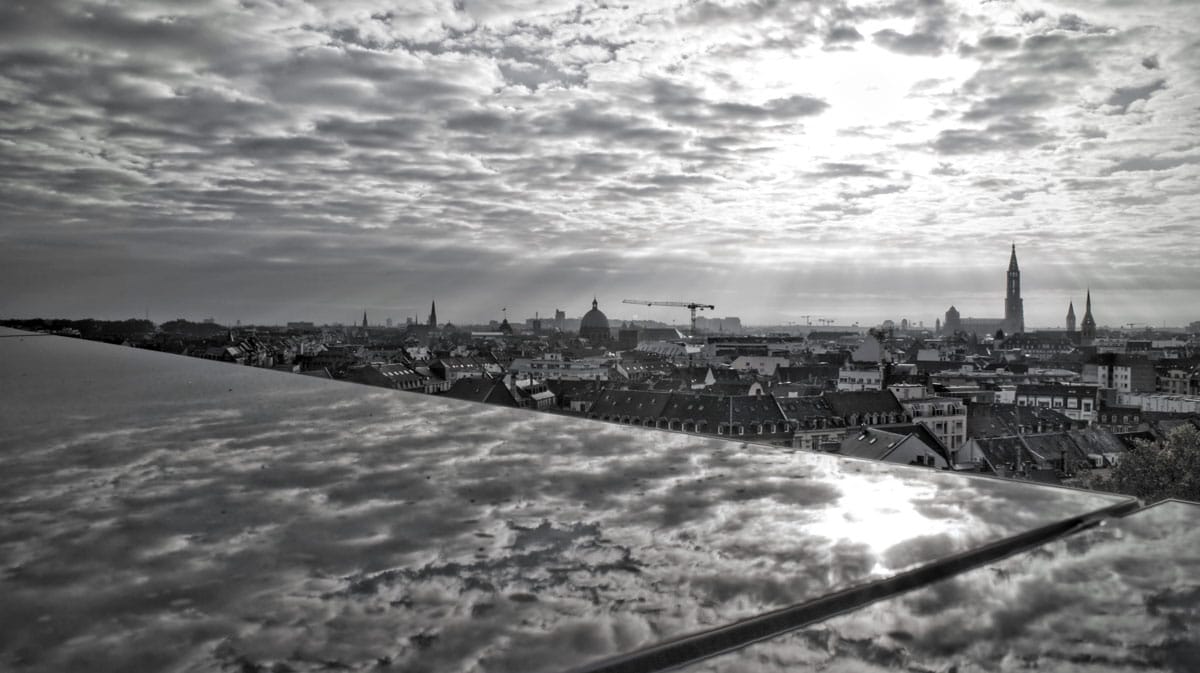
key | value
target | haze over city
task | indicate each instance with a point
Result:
(267, 162)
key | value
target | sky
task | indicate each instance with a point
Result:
(267, 161)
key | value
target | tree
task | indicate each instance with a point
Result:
(1153, 471)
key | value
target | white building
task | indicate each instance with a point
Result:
(850, 379)
(765, 365)
(944, 417)
(554, 367)
(1180, 404)
(1076, 401)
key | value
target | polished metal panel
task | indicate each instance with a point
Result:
(166, 513)
(1120, 596)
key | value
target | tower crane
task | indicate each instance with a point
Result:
(691, 305)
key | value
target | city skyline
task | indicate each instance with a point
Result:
(1012, 293)
(854, 161)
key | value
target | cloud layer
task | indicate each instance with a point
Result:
(292, 160)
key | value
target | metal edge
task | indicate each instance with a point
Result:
(696, 647)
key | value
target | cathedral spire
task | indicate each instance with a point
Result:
(1088, 329)
(1014, 306)
(1071, 316)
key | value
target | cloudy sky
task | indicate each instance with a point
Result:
(271, 160)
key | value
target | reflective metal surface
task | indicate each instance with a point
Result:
(1123, 596)
(165, 513)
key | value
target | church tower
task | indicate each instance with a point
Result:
(433, 315)
(1014, 308)
(1087, 331)
(1071, 318)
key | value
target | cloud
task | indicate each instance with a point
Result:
(1124, 97)
(369, 143)
(1009, 133)
(1151, 163)
(839, 35)
(847, 170)
(932, 29)
(914, 44)
(1008, 104)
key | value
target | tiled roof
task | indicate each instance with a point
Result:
(875, 444)
(481, 390)
(633, 403)
(576, 390)
(999, 420)
(803, 373)
(921, 432)
(863, 402)
(718, 409)
(799, 408)
(729, 388)
(1045, 450)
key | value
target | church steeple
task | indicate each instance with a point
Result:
(433, 314)
(1014, 306)
(1071, 317)
(1088, 329)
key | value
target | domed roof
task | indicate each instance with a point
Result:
(594, 321)
(594, 318)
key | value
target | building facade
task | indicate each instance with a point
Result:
(1076, 401)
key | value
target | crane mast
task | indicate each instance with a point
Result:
(693, 306)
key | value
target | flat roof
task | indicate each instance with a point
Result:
(161, 512)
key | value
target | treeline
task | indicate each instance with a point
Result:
(87, 328)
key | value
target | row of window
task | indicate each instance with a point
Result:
(701, 426)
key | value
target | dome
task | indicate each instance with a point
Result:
(594, 326)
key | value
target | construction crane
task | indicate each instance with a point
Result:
(691, 305)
